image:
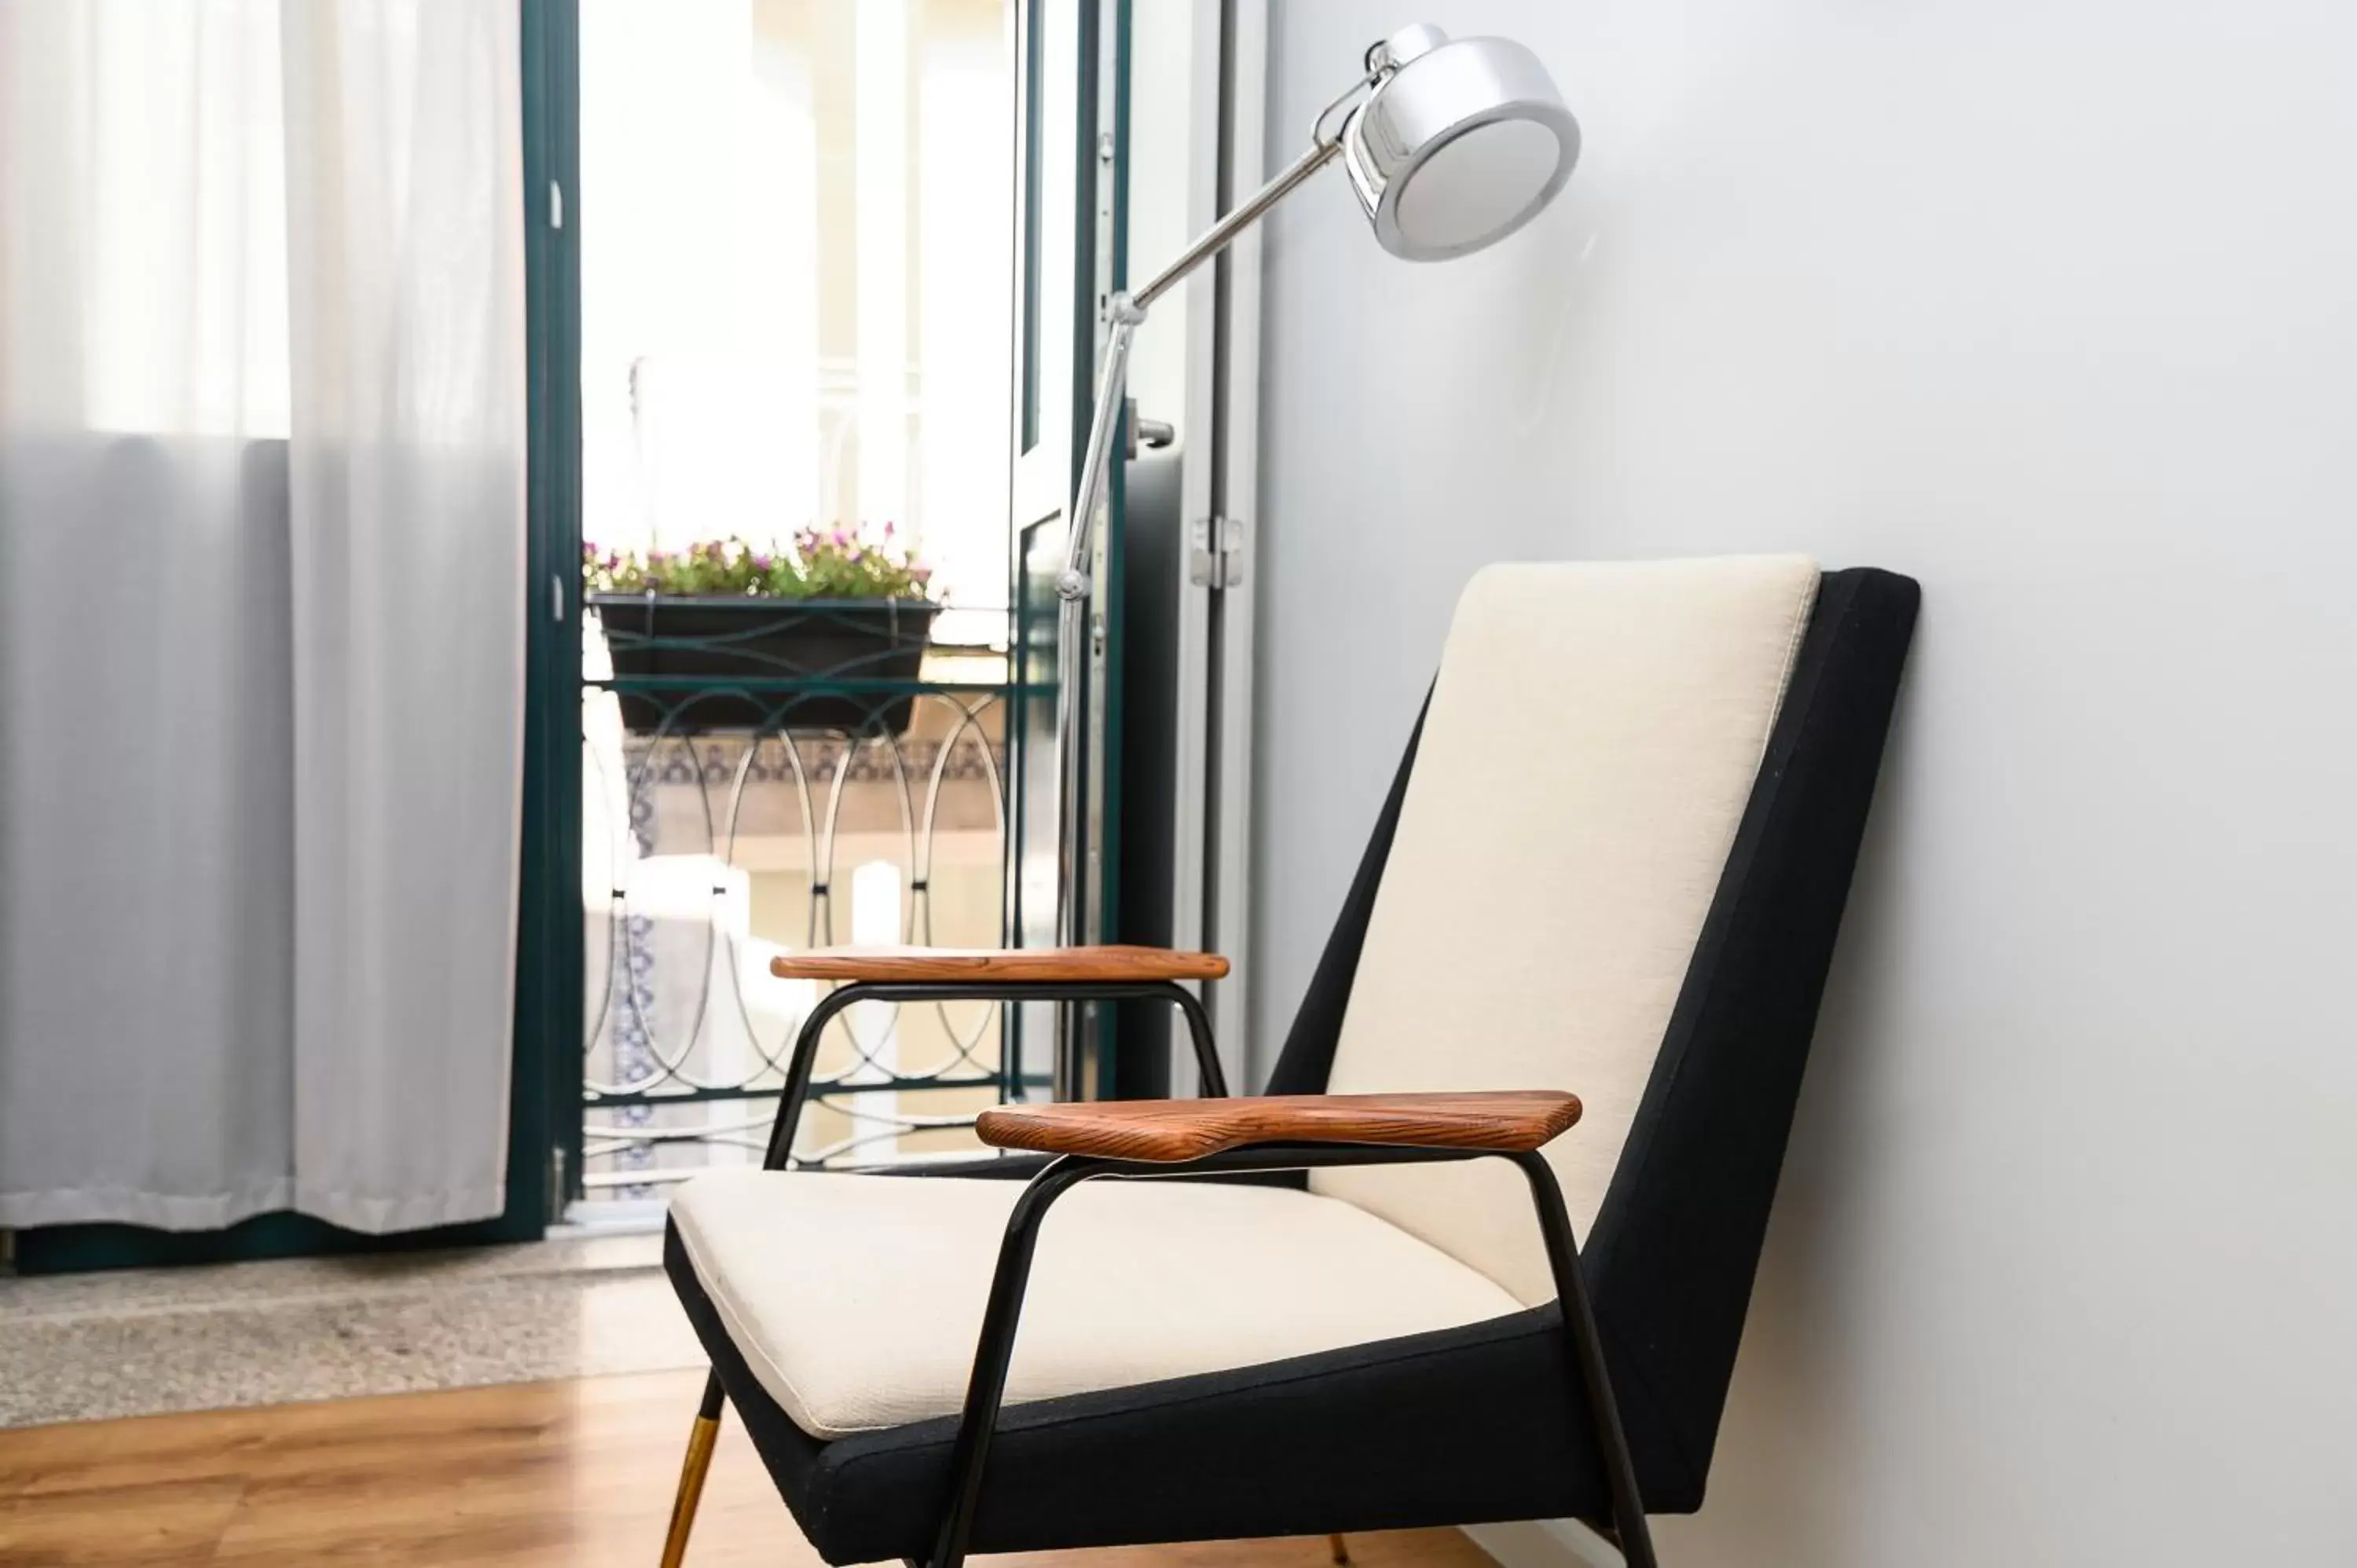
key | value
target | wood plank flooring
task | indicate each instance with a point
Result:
(525, 1475)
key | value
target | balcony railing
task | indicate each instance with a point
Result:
(833, 805)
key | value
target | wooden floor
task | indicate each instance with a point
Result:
(578, 1473)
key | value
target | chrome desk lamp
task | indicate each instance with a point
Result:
(1450, 146)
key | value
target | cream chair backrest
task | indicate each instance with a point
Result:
(1591, 743)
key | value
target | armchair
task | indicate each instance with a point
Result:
(1322, 1309)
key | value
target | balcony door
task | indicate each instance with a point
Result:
(796, 229)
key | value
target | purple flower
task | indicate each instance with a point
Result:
(763, 563)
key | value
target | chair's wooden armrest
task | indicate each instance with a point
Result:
(1179, 1130)
(999, 966)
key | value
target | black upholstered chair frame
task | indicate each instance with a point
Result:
(1719, 1100)
(971, 1453)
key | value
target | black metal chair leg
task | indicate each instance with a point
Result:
(987, 1384)
(1210, 1079)
(801, 1065)
(1592, 1378)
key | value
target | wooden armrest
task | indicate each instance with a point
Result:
(1000, 966)
(1507, 1121)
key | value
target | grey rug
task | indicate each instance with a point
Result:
(141, 1342)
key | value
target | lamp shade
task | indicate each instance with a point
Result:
(1460, 145)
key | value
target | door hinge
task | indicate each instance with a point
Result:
(1215, 555)
(555, 597)
(559, 1193)
(556, 205)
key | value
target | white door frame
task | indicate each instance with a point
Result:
(1229, 873)
(1045, 363)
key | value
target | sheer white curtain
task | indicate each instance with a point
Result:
(261, 600)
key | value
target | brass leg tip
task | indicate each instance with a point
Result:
(700, 1441)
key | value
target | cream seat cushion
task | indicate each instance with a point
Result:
(856, 1300)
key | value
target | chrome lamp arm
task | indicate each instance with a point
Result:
(1450, 146)
(1127, 311)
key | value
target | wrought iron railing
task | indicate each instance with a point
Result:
(745, 797)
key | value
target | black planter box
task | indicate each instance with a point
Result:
(770, 647)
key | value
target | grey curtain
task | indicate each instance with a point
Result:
(261, 437)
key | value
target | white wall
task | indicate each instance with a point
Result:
(2054, 308)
